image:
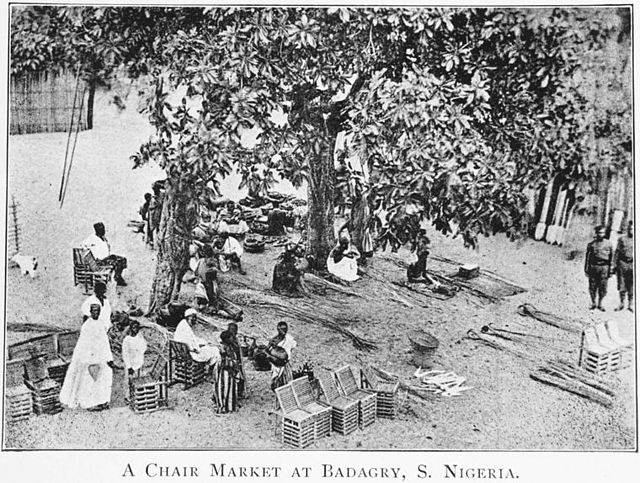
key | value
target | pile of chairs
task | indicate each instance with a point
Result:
(603, 351)
(45, 392)
(346, 405)
(150, 392)
(17, 396)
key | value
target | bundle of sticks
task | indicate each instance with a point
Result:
(528, 310)
(566, 376)
(444, 383)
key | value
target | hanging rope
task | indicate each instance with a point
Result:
(66, 150)
(73, 150)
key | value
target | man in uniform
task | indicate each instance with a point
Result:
(623, 265)
(597, 267)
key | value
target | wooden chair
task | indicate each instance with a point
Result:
(87, 272)
(344, 415)
(45, 392)
(182, 367)
(595, 357)
(151, 392)
(386, 392)
(303, 393)
(66, 344)
(298, 426)
(44, 346)
(367, 400)
(18, 402)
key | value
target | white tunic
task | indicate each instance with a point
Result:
(346, 269)
(200, 350)
(99, 247)
(133, 349)
(80, 388)
(231, 245)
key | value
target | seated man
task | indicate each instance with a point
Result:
(205, 230)
(101, 250)
(235, 225)
(417, 271)
(287, 275)
(201, 351)
(229, 251)
(343, 261)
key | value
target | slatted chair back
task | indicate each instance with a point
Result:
(303, 391)
(286, 398)
(159, 369)
(15, 373)
(591, 339)
(36, 369)
(67, 342)
(180, 350)
(368, 378)
(603, 337)
(328, 386)
(84, 259)
(39, 346)
(347, 380)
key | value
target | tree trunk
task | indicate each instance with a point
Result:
(172, 241)
(321, 238)
(358, 220)
(90, 101)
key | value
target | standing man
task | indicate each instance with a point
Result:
(154, 213)
(597, 267)
(279, 354)
(101, 250)
(623, 265)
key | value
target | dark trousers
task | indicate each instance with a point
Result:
(598, 280)
(117, 262)
(624, 272)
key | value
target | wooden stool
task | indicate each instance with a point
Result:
(150, 393)
(596, 358)
(303, 393)
(344, 416)
(182, 368)
(298, 426)
(367, 400)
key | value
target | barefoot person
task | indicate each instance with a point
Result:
(279, 353)
(597, 267)
(201, 351)
(101, 250)
(88, 381)
(225, 395)
(623, 266)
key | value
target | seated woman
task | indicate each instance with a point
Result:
(417, 271)
(287, 274)
(229, 251)
(343, 261)
(201, 350)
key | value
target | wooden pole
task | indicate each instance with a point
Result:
(73, 150)
(66, 150)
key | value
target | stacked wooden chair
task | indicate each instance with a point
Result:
(306, 401)
(45, 346)
(18, 404)
(182, 367)
(66, 343)
(367, 400)
(298, 425)
(344, 410)
(45, 392)
(386, 392)
(598, 353)
(150, 393)
(87, 272)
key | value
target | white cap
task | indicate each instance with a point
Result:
(189, 312)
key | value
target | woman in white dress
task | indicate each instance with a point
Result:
(90, 376)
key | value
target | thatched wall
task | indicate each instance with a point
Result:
(43, 102)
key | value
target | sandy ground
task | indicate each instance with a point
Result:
(504, 410)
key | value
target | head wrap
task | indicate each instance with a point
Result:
(189, 312)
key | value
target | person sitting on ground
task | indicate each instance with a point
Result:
(233, 329)
(207, 290)
(417, 271)
(287, 276)
(229, 251)
(133, 348)
(234, 225)
(205, 230)
(99, 297)
(89, 378)
(101, 250)
(279, 353)
(343, 261)
(201, 350)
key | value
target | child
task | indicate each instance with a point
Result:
(133, 349)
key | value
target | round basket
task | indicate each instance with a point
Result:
(254, 245)
(424, 346)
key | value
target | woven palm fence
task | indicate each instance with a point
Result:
(44, 102)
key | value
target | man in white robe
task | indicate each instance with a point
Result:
(99, 297)
(88, 381)
(343, 261)
(201, 350)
